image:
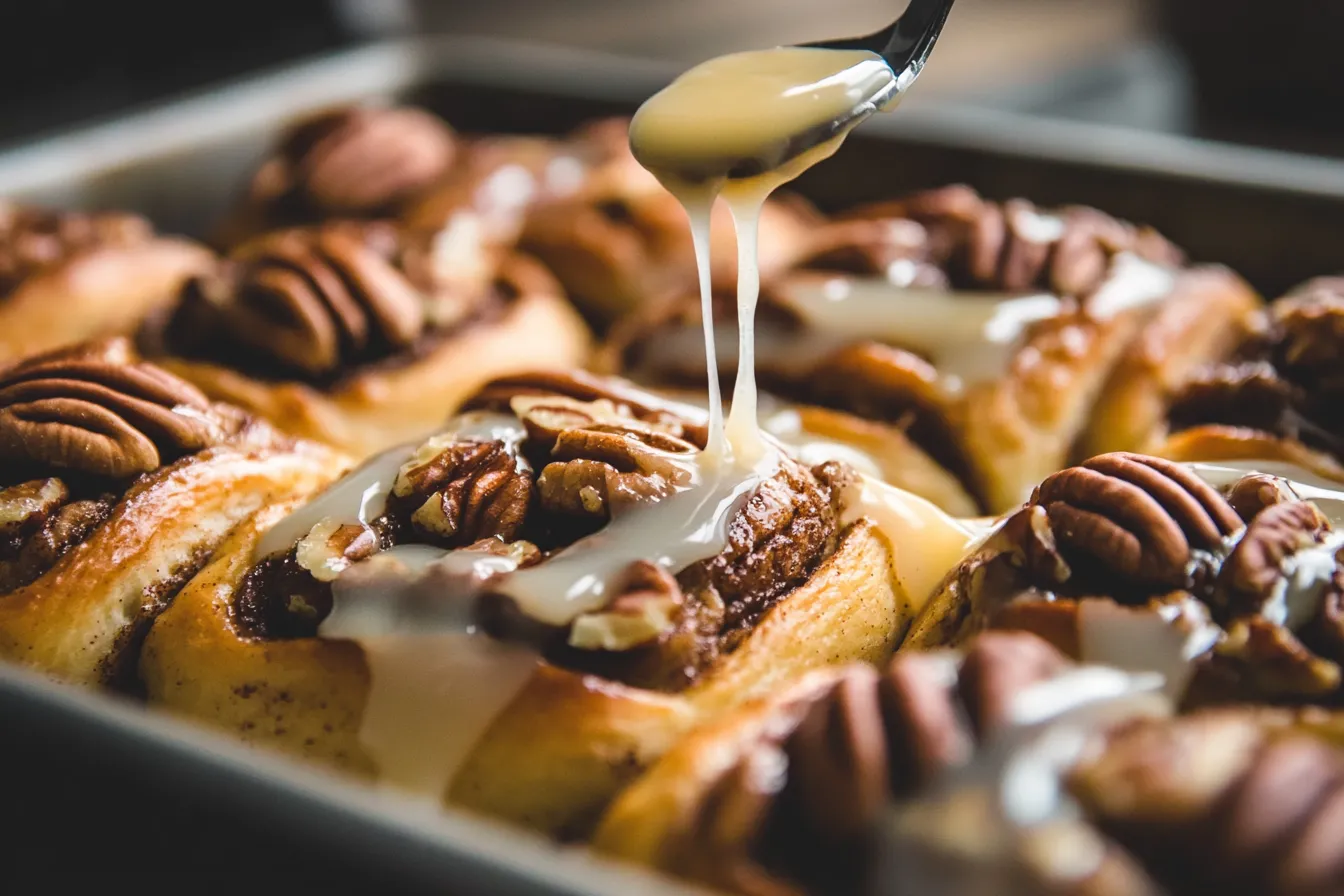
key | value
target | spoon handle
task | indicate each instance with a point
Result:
(906, 43)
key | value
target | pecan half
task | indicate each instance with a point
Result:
(607, 465)
(465, 492)
(855, 747)
(1136, 517)
(1209, 804)
(1251, 495)
(580, 386)
(1247, 582)
(1249, 394)
(309, 301)
(98, 410)
(36, 239)
(355, 162)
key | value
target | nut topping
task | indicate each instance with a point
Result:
(1014, 246)
(355, 162)
(1137, 516)
(467, 492)
(1255, 567)
(580, 386)
(854, 748)
(605, 464)
(310, 301)
(1209, 804)
(95, 409)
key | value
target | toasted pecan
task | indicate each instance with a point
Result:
(97, 409)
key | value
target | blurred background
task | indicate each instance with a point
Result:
(1222, 68)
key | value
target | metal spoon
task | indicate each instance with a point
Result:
(905, 45)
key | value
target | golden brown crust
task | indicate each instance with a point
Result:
(1209, 313)
(639, 825)
(82, 619)
(386, 405)
(565, 744)
(1214, 443)
(102, 291)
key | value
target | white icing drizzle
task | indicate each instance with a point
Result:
(684, 527)
(1134, 284)
(1306, 574)
(360, 496)
(969, 337)
(1167, 639)
(925, 541)
(435, 683)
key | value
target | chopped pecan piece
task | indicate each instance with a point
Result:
(354, 162)
(1263, 662)
(466, 492)
(1137, 517)
(1248, 394)
(97, 410)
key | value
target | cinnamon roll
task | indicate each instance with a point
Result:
(120, 481)
(1270, 396)
(988, 331)
(1007, 770)
(362, 335)
(1226, 578)
(621, 240)
(69, 276)
(522, 612)
(351, 162)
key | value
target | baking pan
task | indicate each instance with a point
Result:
(135, 796)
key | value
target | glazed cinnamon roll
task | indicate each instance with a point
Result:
(361, 335)
(69, 276)
(520, 613)
(1225, 578)
(120, 481)
(1271, 396)
(352, 162)
(986, 330)
(1007, 770)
